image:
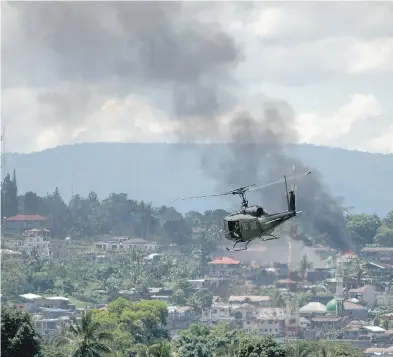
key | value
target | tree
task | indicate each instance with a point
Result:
(32, 203)
(9, 196)
(384, 236)
(201, 300)
(254, 345)
(363, 227)
(194, 342)
(181, 292)
(19, 336)
(58, 214)
(88, 337)
(302, 349)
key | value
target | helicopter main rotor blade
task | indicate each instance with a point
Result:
(232, 192)
(195, 197)
(259, 187)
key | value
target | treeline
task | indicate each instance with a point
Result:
(85, 217)
(367, 229)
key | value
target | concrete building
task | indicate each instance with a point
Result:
(225, 268)
(38, 240)
(22, 222)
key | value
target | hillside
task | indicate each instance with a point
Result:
(160, 172)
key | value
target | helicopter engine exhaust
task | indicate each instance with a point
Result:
(255, 211)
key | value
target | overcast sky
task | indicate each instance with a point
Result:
(87, 72)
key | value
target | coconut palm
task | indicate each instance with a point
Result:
(301, 349)
(160, 349)
(87, 337)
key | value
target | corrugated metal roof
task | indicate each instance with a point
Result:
(26, 217)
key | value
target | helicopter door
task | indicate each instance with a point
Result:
(253, 225)
(245, 226)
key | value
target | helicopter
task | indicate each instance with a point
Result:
(253, 222)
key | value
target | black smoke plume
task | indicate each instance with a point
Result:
(167, 52)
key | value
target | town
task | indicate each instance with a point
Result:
(288, 290)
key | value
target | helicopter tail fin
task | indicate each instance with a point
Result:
(291, 199)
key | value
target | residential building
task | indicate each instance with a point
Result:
(380, 270)
(180, 318)
(256, 300)
(225, 268)
(119, 245)
(217, 313)
(38, 240)
(267, 321)
(365, 293)
(22, 222)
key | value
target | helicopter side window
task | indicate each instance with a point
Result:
(245, 226)
(253, 225)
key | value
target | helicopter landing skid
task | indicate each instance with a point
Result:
(239, 249)
(272, 237)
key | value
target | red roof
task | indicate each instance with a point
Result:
(225, 261)
(26, 217)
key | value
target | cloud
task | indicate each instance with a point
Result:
(317, 129)
(383, 143)
(75, 71)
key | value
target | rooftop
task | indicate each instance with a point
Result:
(26, 217)
(255, 298)
(225, 261)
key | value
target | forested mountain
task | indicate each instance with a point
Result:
(160, 172)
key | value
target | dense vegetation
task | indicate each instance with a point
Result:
(87, 217)
(138, 329)
(159, 172)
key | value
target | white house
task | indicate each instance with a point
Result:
(36, 239)
(117, 245)
(225, 268)
(256, 300)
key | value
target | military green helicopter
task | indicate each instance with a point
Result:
(253, 222)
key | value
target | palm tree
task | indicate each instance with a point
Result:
(160, 349)
(301, 349)
(278, 299)
(87, 336)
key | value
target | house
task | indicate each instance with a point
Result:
(380, 270)
(225, 268)
(380, 254)
(366, 293)
(216, 313)
(355, 310)
(180, 318)
(18, 224)
(268, 321)
(35, 239)
(119, 245)
(256, 300)
(326, 322)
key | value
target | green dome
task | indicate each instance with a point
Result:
(331, 305)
